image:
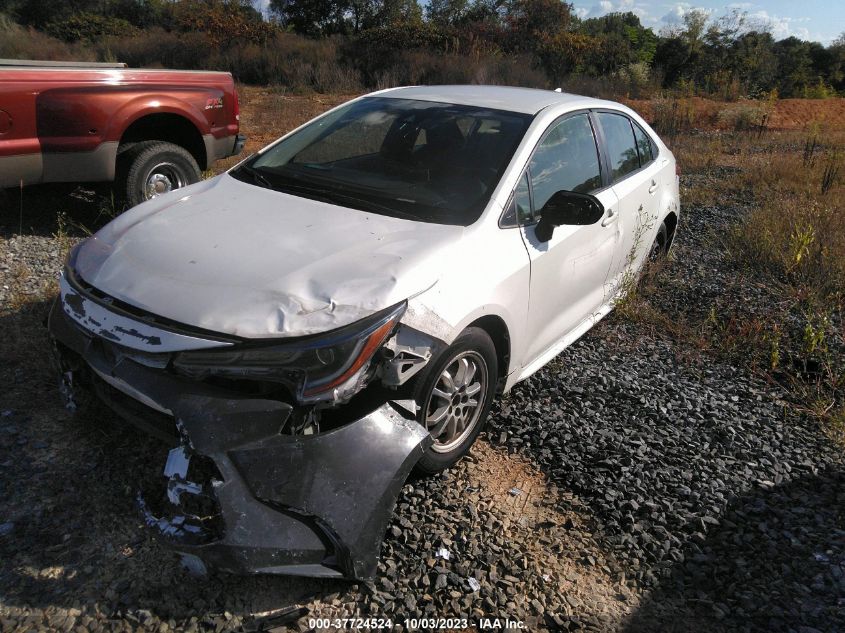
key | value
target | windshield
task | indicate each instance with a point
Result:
(422, 160)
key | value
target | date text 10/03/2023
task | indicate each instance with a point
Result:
(414, 624)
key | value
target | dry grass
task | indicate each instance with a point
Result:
(787, 244)
(17, 42)
(796, 231)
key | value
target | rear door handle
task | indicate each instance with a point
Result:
(653, 187)
(611, 217)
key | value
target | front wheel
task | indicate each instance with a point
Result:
(454, 398)
(152, 168)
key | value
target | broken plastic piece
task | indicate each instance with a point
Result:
(443, 553)
(273, 619)
(473, 584)
(410, 351)
(177, 463)
(175, 488)
(193, 565)
(66, 389)
(407, 405)
(175, 528)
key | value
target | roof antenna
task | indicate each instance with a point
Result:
(558, 90)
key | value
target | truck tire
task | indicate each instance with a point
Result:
(152, 168)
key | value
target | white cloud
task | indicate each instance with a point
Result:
(603, 7)
(778, 26)
(759, 20)
(675, 15)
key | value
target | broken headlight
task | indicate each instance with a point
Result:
(322, 367)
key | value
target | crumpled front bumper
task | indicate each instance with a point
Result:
(315, 505)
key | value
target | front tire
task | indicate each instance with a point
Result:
(454, 398)
(152, 168)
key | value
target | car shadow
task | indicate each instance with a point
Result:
(44, 210)
(729, 519)
(775, 562)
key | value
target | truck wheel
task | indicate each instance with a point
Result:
(152, 168)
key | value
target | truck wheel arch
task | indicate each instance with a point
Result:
(166, 126)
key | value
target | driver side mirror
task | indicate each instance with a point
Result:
(567, 208)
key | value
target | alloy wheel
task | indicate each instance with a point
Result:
(457, 400)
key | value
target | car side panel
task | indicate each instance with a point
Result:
(639, 199)
(568, 277)
(521, 365)
(487, 275)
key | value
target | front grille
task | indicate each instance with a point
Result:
(154, 422)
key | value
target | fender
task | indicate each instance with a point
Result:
(146, 104)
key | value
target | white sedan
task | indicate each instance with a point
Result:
(388, 267)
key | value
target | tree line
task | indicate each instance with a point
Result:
(515, 41)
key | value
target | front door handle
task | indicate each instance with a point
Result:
(653, 187)
(611, 217)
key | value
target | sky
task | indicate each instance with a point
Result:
(815, 20)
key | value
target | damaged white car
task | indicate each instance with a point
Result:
(344, 305)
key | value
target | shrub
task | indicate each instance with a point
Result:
(673, 116)
(744, 116)
(159, 48)
(17, 42)
(285, 59)
(420, 67)
(819, 90)
(293, 61)
(89, 27)
(375, 52)
(223, 23)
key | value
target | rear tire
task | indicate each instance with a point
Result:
(454, 398)
(152, 168)
(660, 247)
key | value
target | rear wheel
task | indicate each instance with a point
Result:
(455, 397)
(661, 244)
(152, 168)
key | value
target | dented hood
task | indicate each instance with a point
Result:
(234, 258)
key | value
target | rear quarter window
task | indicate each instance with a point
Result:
(621, 145)
(645, 146)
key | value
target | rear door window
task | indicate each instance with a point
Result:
(621, 145)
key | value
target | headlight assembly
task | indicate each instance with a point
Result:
(321, 367)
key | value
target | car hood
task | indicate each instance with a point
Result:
(234, 258)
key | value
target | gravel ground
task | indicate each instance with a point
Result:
(631, 485)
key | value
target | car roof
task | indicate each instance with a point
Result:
(524, 100)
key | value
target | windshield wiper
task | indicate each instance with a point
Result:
(330, 195)
(259, 179)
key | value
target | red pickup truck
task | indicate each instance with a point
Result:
(149, 131)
